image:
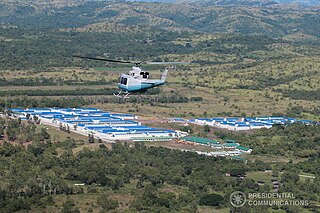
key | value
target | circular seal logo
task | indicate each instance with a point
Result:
(237, 199)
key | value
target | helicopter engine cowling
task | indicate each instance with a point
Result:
(144, 75)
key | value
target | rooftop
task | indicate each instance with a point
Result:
(238, 158)
(243, 148)
(94, 119)
(200, 140)
(231, 144)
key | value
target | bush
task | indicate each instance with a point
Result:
(211, 200)
(107, 203)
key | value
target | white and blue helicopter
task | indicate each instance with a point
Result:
(137, 80)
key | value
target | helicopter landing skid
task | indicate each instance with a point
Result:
(122, 94)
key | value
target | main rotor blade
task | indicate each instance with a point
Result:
(132, 62)
(166, 63)
(104, 59)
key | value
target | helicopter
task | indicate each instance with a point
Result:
(137, 80)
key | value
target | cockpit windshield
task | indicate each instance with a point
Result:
(123, 81)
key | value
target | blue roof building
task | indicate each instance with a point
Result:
(101, 124)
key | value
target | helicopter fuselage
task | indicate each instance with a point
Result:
(138, 80)
(130, 84)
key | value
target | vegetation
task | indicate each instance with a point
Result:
(292, 141)
(304, 95)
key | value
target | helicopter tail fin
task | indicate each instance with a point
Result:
(164, 74)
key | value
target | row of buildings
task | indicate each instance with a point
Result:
(101, 124)
(227, 148)
(116, 126)
(235, 123)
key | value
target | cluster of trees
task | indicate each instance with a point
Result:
(311, 165)
(301, 94)
(64, 128)
(55, 48)
(91, 138)
(298, 111)
(27, 102)
(13, 130)
(43, 81)
(28, 81)
(150, 99)
(263, 81)
(294, 140)
(76, 92)
(52, 48)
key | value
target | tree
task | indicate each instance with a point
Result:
(102, 146)
(44, 134)
(61, 127)
(69, 207)
(225, 98)
(107, 203)
(237, 172)
(289, 176)
(211, 200)
(90, 138)
(36, 119)
(186, 129)
(275, 172)
(206, 128)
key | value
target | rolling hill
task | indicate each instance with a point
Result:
(240, 2)
(273, 21)
(301, 2)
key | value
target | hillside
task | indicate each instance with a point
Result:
(301, 2)
(239, 2)
(270, 20)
